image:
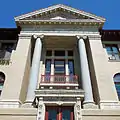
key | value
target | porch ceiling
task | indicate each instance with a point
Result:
(60, 41)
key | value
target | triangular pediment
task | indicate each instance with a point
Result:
(60, 12)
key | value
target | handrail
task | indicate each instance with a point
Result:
(71, 79)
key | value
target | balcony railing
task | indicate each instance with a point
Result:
(59, 79)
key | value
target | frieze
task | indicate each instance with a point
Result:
(60, 92)
(63, 99)
(59, 28)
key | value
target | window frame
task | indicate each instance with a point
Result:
(59, 110)
(117, 82)
(2, 80)
(113, 56)
(54, 58)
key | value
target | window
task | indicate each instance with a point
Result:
(6, 50)
(59, 59)
(113, 52)
(2, 79)
(59, 66)
(117, 83)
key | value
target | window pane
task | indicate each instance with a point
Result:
(117, 78)
(71, 67)
(48, 66)
(48, 53)
(109, 50)
(70, 53)
(60, 53)
(1, 86)
(47, 69)
(59, 69)
(117, 87)
(52, 114)
(7, 46)
(59, 66)
(59, 62)
(117, 83)
(117, 57)
(115, 50)
(66, 114)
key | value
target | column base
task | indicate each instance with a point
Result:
(109, 105)
(89, 105)
(28, 104)
(10, 104)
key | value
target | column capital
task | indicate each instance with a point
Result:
(38, 36)
(82, 37)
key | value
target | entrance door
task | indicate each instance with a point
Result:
(59, 113)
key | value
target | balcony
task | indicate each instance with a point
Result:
(59, 81)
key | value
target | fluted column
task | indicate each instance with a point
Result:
(34, 73)
(85, 75)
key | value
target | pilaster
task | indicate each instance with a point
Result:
(15, 86)
(41, 110)
(77, 110)
(104, 82)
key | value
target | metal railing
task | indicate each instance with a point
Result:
(70, 79)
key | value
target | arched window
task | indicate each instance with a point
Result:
(2, 79)
(117, 83)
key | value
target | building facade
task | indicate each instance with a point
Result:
(59, 64)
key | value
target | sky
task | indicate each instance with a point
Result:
(109, 9)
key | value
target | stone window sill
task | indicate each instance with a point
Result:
(113, 60)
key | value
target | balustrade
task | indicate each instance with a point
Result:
(70, 79)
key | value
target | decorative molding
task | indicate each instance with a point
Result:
(81, 37)
(10, 104)
(41, 110)
(21, 36)
(94, 37)
(109, 104)
(5, 62)
(61, 33)
(59, 93)
(77, 110)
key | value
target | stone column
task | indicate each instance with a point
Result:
(85, 75)
(34, 73)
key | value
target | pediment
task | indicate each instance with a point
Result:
(59, 12)
(56, 15)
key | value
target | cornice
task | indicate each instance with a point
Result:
(59, 22)
(94, 37)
